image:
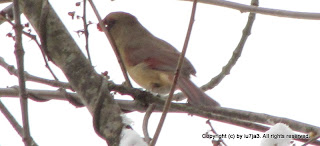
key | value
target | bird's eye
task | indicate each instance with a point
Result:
(110, 24)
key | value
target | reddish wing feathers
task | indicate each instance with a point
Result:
(162, 59)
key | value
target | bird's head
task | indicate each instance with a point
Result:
(118, 19)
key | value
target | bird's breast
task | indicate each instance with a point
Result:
(152, 80)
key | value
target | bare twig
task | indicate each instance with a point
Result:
(145, 122)
(261, 10)
(236, 53)
(13, 122)
(42, 94)
(312, 140)
(19, 52)
(214, 132)
(176, 77)
(11, 119)
(112, 43)
(43, 35)
(33, 37)
(232, 61)
(85, 26)
(33, 78)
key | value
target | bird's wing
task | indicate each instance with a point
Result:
(163, 58)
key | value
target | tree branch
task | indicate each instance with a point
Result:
(28, 77)
(19, 52)
(146, 121)
(14, 122)
(176, 76)
(232, 61)
(246, 32)
(261, 10)
(245, 119)
(85, 29)
(63, 51)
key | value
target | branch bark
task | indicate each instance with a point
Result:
(245, 119)
(62, 50)
(19, 53)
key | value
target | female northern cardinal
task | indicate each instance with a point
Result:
(150, 61)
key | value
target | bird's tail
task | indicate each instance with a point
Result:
(195, 95)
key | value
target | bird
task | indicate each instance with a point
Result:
(150, 61)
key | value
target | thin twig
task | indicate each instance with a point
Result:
(214, 132)
(236, 53)
(85, 25)
(247, 8)
(112, 43)
(11, 119)
(41, 94)
(45, 59)
(28, 77)
(43, 35)
(33, 37)
(19, 52)
(232, 61)
(261, 10)
(13, 122)
(145, 122)
(176, 77)
(311, 140)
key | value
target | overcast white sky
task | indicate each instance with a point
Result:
(277, 74)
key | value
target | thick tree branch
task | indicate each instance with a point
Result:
(63, 51)
(245, 119)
